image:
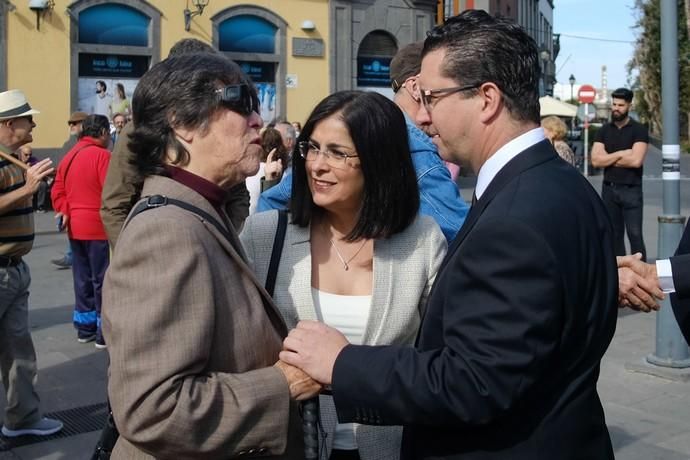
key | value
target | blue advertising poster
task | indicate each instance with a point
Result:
(373, 71)
(112, 65)
(259, 72)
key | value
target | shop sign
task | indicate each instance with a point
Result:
(373, 71)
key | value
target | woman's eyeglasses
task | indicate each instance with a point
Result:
(334, 158)
(239, 98)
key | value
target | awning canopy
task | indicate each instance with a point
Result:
(551, 106)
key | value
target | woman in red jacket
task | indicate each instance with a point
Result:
(76, 198)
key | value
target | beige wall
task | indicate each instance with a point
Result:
(38, 61)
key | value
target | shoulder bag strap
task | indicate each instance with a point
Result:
(156, 201)
(64, 176)
(277, 252)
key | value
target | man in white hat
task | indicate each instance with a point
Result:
(17, 356)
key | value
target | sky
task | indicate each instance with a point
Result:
(601, 20)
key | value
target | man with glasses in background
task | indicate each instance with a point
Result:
(17, 187)
(439, 196)
(75, 128)
(524, 306)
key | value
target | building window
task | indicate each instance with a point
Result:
(374, 59)
(245, 33)
(113, 44)
(114, 24)
(255, 38)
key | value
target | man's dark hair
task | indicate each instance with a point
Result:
(189, 46)
(94, 126)
(623, 93)
(378, 131)
(102, 83)
(482, 48)
(179, 91)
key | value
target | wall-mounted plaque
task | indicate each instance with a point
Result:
(309, 47)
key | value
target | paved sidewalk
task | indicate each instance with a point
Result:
(648, 417)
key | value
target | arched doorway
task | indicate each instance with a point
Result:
(373, 62)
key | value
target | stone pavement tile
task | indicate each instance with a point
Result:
(638, 435)
(680, 443)
(79, 447)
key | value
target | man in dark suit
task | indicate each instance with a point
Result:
(524, 306)
(641, 284)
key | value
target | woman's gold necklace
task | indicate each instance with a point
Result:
(346, 263)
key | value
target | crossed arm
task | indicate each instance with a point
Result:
(628, 158)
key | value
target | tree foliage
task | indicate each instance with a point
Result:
(647, 60)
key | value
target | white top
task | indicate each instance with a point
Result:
(664, 272)
(348, 314)
(101, 105)
(498, 160)
(254, 187)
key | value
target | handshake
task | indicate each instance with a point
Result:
(308, 357)
(638, 284)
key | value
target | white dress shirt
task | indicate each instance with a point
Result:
(498, 160)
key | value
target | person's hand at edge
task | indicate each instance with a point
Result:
(301, 385)
(313, 347)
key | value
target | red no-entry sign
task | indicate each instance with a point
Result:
(586, 94)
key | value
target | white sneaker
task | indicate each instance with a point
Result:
(44, 427)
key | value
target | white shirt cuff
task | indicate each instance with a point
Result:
(665, 274)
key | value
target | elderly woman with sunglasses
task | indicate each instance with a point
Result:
(193, 336)
(356, 254)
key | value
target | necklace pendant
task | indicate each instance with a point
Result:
(347, 267)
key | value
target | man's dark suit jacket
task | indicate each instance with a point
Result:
(680, 265)
(521, 312)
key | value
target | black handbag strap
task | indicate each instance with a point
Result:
(156, 201)
(276, 252)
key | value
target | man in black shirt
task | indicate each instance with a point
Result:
(620, 147)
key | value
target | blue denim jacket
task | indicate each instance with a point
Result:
(438, 195)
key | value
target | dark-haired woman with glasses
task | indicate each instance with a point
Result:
(192, 335)
(357, 255)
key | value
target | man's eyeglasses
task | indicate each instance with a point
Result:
(431, 96)
(239, 98)
(334, 158)
(73, 123)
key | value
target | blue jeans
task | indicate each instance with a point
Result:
(624, 205)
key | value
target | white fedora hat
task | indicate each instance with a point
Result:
(13, 104)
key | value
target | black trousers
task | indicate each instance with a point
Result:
(624, 205)
(344, 455)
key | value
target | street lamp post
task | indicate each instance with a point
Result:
(572, 83)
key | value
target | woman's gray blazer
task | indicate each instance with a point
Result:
(404, 269)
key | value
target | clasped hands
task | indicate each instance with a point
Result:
(638, 284)
(308, 356)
